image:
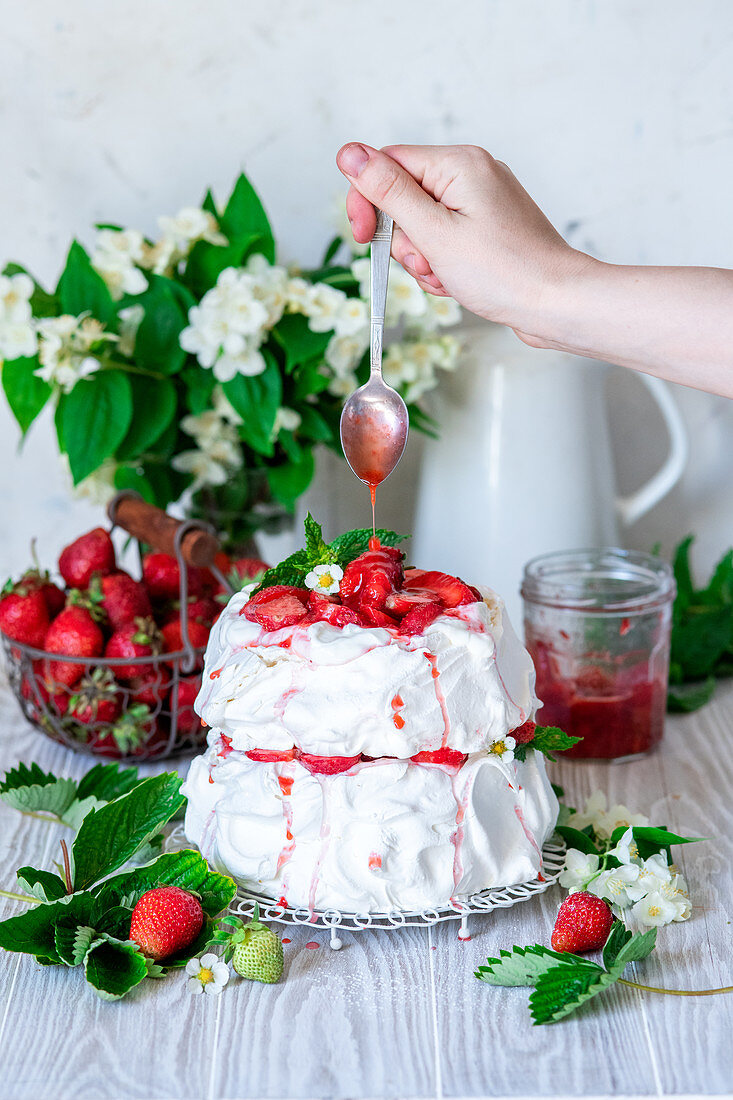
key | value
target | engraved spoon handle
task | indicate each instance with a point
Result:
(381, 247)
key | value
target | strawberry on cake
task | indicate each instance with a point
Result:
(372, 743)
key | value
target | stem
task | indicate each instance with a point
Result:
(67, 868)
(678, 992)
(19, 897)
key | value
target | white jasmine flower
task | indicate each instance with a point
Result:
(223, 407)
(207, 974)
(504, 749)
(325, 579)
(621, 815)
(64, 346)
(216, 438)
(361, 270)
(161, 257)
(17, 339)
(270, 286)
(296, 293)
(352, 318)
(249, 363)
(655, 910)
(343, 353)
(579, 869)
(16, 292)
(613, 885)
(188, 225)
(129, 319)
(115, 254)
(322, 306)
(446, 352)
(286, 420)
(442, 312)
(626, 851)
(404, 297)
(224, 332)
(603, 820)
(205, 470)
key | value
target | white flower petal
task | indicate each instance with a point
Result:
(208, 960)
(194, 986)
(193, 966)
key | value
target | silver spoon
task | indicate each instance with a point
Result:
(374, 421)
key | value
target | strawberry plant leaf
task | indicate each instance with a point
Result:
(44, 885)
(113, 967)
(633, 949)
(524, 965)
(72, 941)
(31, 790)
(198, 947)
(618, 937)
(187, 869)
(33, 932)
(108, 837)
(563, 989)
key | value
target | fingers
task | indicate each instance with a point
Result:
(405, 253)
(361, 215)
(385, 183)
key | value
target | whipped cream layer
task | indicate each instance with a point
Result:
(385, 835)
(330, 691)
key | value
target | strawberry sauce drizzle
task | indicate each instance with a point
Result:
(457, 836)
(216, 674)
(285, 783)
(433, 660)
(325, 836)
(375, 861)
(530, 837)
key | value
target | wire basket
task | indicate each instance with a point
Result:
(148, 716)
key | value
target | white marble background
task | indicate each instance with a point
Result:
(616, 114)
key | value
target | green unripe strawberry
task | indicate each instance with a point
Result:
(258, 954)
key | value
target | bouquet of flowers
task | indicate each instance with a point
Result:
(195, 368)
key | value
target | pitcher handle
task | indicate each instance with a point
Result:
(632, 507)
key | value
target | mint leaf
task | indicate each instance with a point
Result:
(44, 885)
(547, 740)
(187, 869)
(31, 790)
(108, 837)
(523, 965)
(113, 968)
(315, 547)
(563, 989)
(353, 543)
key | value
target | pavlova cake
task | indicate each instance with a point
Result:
(372, 743)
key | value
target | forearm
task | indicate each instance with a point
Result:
(673, 322)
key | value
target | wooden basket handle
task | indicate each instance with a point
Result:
(152, 525)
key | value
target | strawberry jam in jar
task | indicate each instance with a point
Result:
(597, 625)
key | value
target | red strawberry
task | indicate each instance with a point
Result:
(162, 577)
(201, 609)
(524, 733)
(33, 688)
(270, 756)
(242, 571)
(420, 618)
(97, 699)
(267, 594)
(150, 686)
(131, 734)
(369, 579)
(401, 603)
(450, 590)
(24, 615)
(173, 636)
(166, 920)
(276, 612)
(328, 610)
(123, 598)
(140, 638)
(41, 582)
(327, 765)
(371, 616)
(583, 923)
(73, 633)
(184, 696)
(451, 757)
(89, 554)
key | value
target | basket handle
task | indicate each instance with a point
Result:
(152, 525)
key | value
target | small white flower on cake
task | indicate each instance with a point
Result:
(207, 974)
(504, 749)
(325, 579)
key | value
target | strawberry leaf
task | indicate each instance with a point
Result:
(523, 965)
(186, 869)
(113, 967)
(33, 932)
(563, 989)
(31, 790)
(44, 885)
(622, 947)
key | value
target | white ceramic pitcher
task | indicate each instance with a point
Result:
(523, 464)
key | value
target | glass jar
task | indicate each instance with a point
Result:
(597, 625)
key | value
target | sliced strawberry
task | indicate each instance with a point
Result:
(451, 590)
(267, 594)
(327, 765)
(270, 756)
(524, 733)
(371, 577)
(400, 603)
(327, 609)
(420, 618)
(277, 612)
(451, 757)
(372, 616)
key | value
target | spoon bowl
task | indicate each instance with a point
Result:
(374, 425)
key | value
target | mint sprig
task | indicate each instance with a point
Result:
(317, 551)
(547, 740)
(564, 982)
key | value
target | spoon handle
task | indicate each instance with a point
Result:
(381, 247)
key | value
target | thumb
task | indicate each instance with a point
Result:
(384, 182)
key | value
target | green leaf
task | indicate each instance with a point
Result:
(93, 419)
(313, 426)
(206, 261)
(113, 968)
(574, 838)
(634, 948)
(523, 965)
(563, 989)
(44, 885)
(29, 789)
(73, 941)
(33, 932)
(209, 204)
(309, 378)
(618, 937)
(257, 400)
(314, 543)
(154, 402)
(244, 216)
(133, 477)
(291, 479)
(353, 543)
(107, 781)
(650, 840)
(683, 573)
(331, 250)
(156, 344)
(26, 393)
(299, 343)
(43, 304)
(547, 740)
(685, 698)
(720, 589)
(199, 385)
(81, 289)
(186, 869)
(110, 836)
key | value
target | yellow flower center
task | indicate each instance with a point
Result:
(499, 748)
(325, 580)
(654, 910)
(206, 975)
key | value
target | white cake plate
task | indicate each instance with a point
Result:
(334, 921)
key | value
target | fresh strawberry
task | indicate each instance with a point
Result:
(33, 688)
(89, 554)
(583, 923)
(326, 609)
(277, 611)
(173, 636)
(165, 920)
(97, 699)
(450, 590)
(183, 697)
(201, 609)
(258, 954)
(150, 686)
(372, 616)
(420, 618)
(243, 570)
(24, 614)
(40, 581)
(122, 598)
(73, 633)
(524, 733)
(162, 577)
(327, 765)
(402, 602)
(267, 594)
(140, 638)
(270, 756)
(133, 731)
(451, 757)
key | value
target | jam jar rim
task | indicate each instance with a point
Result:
(654, 580)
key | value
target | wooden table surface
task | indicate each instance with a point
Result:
(398, 1014)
